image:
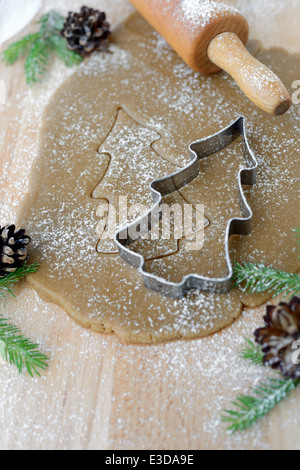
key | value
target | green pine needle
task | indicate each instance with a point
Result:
(19, 49)
(40, 46)
(20, 351)
(249, 409)
(70, 58)
(7, 282)
(14, 347)
(37, 62)
(253, 353)
(257, 278)
(51, 22)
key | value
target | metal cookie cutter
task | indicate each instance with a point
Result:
(169, 184)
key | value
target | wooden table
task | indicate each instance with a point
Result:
(98, 393)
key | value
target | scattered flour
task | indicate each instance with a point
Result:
(203, 12)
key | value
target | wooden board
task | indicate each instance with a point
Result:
(98, 393)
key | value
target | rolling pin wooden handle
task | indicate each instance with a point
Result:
(256, 80)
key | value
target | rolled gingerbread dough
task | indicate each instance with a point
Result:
(126, 118)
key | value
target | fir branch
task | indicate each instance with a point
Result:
(40, 46)
(14, 347)
(7, 282)
(40, 53)
(37, 61)
(51, 22)
(257, 278)
(70, 58)
(20, 351)
(249, 409)
(253, 353)
(19, 49)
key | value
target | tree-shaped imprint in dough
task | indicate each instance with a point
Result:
(132, 165)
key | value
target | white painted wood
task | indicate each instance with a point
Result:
(15, 15)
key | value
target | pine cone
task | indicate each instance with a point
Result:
(86, 31)
(13, 249)
(278, 338)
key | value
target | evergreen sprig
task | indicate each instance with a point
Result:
(40, 46)
(270, 392)
(20, 351)
(258, 278)
(253, 353)
(19, 49)
(7, 282)
(264, 398)
(14, 347)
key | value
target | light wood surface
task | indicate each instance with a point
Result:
(98, 393)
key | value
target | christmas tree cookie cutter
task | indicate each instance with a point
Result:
(162, 187)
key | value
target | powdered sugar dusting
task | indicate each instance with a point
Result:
(203, 12)
(99, 394)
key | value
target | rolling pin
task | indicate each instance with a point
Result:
(210, 35)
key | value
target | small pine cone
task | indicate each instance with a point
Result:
(13, 249)
(87, 31)
(280, 338)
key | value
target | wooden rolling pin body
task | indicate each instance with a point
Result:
(210, 35)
